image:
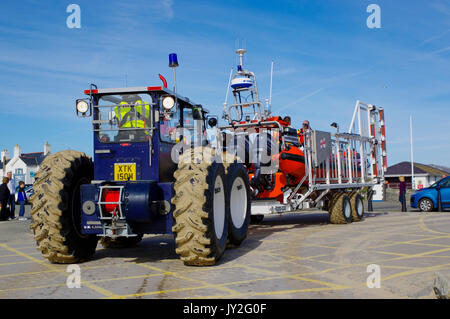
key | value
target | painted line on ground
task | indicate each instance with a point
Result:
(93, 287)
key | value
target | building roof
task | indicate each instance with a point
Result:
(32, 159)
(35, 154)
(443, 168)
(404, 168)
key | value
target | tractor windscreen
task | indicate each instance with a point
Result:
(123, 118)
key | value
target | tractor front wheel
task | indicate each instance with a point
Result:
(200, 218)
(56, 210)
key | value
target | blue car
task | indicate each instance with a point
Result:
(427, 199)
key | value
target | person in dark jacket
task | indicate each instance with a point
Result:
(12, 196)
(4, 198)
(402, 193)
(22, 199)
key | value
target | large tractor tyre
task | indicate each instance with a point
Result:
(56, 210)
(239, 203)
(121, 242)
(341, 211)
(357, 204)
(426, 205)
(200, 218)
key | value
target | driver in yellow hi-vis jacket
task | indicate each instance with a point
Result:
(133, 113)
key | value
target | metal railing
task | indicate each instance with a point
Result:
(355, 160)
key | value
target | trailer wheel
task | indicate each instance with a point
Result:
(200, 218)
(333, 199)
(357, 203)
(341, 211)
(239, 203)
(121, 242)
(56, 211)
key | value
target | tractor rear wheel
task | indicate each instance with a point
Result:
(341, 210)
(121, 242)
(239, 203)
(200, 218)
(356, 201)
(56, 210)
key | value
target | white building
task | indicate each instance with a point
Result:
(22, 165)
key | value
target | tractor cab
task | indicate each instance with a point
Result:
(138, 125)
(134, 132)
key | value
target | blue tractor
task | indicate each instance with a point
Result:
(140, 182)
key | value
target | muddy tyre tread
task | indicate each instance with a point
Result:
(333, 199)
(353, 200)
(191, 226)
(50, 211)
(336, 211)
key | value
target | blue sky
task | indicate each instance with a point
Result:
(325, 59)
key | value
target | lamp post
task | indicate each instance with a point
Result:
(412, 155)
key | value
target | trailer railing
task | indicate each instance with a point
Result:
(356, 159)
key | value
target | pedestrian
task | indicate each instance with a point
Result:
(302, 133)
(4, 198)
(12, 196)
(22, 199)
(402, 193)
(212, 132)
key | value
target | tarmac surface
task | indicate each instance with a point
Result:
(297, 255)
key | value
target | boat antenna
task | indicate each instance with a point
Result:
(270, 94)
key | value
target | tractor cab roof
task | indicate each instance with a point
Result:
(142, 89)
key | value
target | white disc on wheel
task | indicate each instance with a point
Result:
(238, 202)
(359, 207)
(347, 209)
(219, 207)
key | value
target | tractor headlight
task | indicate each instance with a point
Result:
(168, 103)
(82, 107)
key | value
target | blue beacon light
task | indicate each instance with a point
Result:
(173, 63)
(173, 60)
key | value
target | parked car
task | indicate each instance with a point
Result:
(28, 191)
(426, 199)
